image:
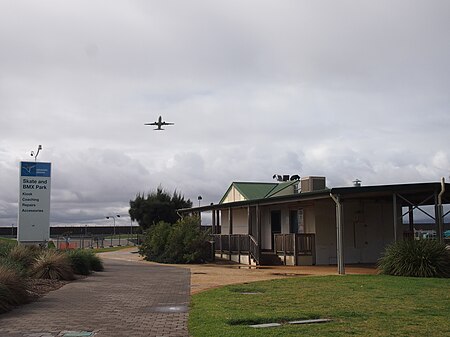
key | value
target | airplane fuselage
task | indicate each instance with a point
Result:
(159, 123)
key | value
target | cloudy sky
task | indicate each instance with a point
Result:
(344, 89)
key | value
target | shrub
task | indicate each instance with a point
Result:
(5, 298)
(13, 290)
(183, 242)
(9, 263)
(52, 265)
(80, 261)
(154, 244)
(418, 258)
(24, 255)
(95, 262)
(6, 246)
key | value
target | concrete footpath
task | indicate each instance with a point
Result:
(127, 299)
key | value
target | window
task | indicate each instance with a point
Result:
(296, 221)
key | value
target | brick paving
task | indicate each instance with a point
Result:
(127, 299)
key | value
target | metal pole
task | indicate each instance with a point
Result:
(440, 213)
(394, 204)
(339, 235)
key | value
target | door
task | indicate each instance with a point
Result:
(293, 221)
(275, 224)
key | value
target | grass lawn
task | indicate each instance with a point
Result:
(359, 305)
(109, 249)
(122, 236)
(2, 239)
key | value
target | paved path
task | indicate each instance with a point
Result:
(127, 299)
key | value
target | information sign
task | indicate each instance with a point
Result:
(34, 202)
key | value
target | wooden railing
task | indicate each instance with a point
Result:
(232, 244)
(295, 245)
(254, 250)
(244, 244)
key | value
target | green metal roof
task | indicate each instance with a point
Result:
(280, 187)
(253, 190)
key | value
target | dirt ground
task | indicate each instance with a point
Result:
(213, 275)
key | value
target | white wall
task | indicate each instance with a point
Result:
(233, 195)
(367, 228)
(325, 229)
(240, 222)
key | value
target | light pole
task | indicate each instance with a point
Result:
(37, 153)
(199, 198)
(114, 226)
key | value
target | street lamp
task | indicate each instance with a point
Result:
(199, 198)
(114, 226)
(114, 219)
(37, 153)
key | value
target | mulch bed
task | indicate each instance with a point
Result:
(39, 287)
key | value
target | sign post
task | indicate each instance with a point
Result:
(33, 223)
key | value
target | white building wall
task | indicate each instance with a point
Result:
(325, 229)
(240, 225)
(367, 228)
(233, 195)
(240, 221)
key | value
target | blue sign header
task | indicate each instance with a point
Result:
(33, 169)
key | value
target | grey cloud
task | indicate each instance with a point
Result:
(342, 89)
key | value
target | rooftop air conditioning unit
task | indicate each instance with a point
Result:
(311, 184)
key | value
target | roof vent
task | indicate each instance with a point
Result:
(356, 183)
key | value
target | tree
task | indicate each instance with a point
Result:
(157, 206)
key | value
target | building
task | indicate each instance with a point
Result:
(303, 222)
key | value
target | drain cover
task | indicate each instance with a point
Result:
(311, 321)
(265, 325)
(174, 309)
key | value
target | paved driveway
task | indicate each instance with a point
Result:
(127, 299)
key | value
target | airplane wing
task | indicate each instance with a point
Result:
(165, 123)
(154, 123)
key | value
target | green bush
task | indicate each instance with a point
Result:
(80, 261)
(183, 242)
(417, 258)
(13, 290)
(95, 262)
(51, 264)
(154, 243)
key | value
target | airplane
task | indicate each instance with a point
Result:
(159, 123)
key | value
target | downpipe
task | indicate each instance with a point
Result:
(339, 235)
(440, 212)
